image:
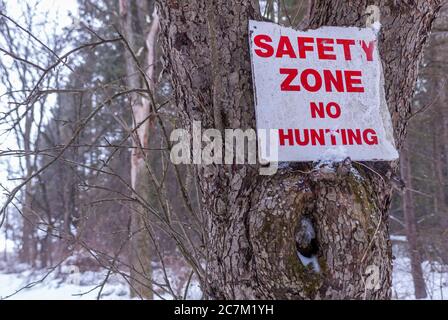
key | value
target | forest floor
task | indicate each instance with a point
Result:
(27, 286)
(65, 284)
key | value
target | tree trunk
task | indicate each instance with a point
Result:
(28, 252)
(438, 165)
(28, 249)
(251, 219)
(411, 227)
(141, 244)
(439, 161)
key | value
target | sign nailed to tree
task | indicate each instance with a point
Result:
(322, 93)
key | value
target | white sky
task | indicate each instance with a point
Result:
(58, 9)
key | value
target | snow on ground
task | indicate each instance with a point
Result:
(66, 283)
(435, 274)
(54, 287)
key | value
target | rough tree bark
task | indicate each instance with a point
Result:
(411, 227)
(252, 219)
(141, 248)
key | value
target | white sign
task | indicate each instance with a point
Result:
(322, 92)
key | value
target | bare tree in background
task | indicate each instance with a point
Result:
(141, 110)
(25, 120)
(411, 226)
(81, 147)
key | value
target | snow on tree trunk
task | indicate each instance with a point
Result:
(253, 220)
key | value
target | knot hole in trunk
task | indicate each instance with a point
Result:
(306, 243)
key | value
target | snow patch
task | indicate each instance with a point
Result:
(309, 261)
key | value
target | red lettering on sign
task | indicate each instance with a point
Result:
(353, 78)
(325, 49)
(306, 83)
(331, 81)
(303, 48)
(285, 48)
(317, 136)
(370, 137)
(346, 43)
(311, 80)
(307, 137)
(354, 136)
(291, 75)
(368, 49)
(262, 41)
(332, 135)
(282, 136)
(317, 110)
(332, 109)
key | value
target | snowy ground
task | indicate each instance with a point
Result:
(436, 279)
(65, 283)
(31, 287)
